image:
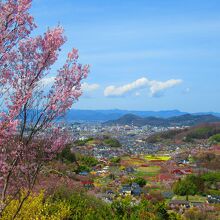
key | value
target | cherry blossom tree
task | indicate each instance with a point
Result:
(29, 111)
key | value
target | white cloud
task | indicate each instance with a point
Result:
(121, 90)
(155, 87)
(89, 87)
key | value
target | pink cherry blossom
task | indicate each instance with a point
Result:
(29, 133)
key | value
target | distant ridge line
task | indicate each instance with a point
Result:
(182, 120)
(114, 114)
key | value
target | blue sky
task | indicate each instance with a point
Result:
(144, 54)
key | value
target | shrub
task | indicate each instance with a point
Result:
(88, 161)
(211, 177)
(82, 168)
(66, 204)
(82, 206)
(34, 207)
(140, 181)
(185, 187)
(66, 155)
(115, 160)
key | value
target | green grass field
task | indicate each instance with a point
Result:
(195, 198)
(147, 171)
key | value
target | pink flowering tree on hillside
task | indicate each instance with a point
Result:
(28, 110)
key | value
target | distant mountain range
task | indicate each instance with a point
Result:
(106, 115)
(182, 120)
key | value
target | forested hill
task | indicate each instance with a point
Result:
(183, 120)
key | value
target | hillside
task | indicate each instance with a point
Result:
(199, 132)
(190, 120)
(183, 120)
